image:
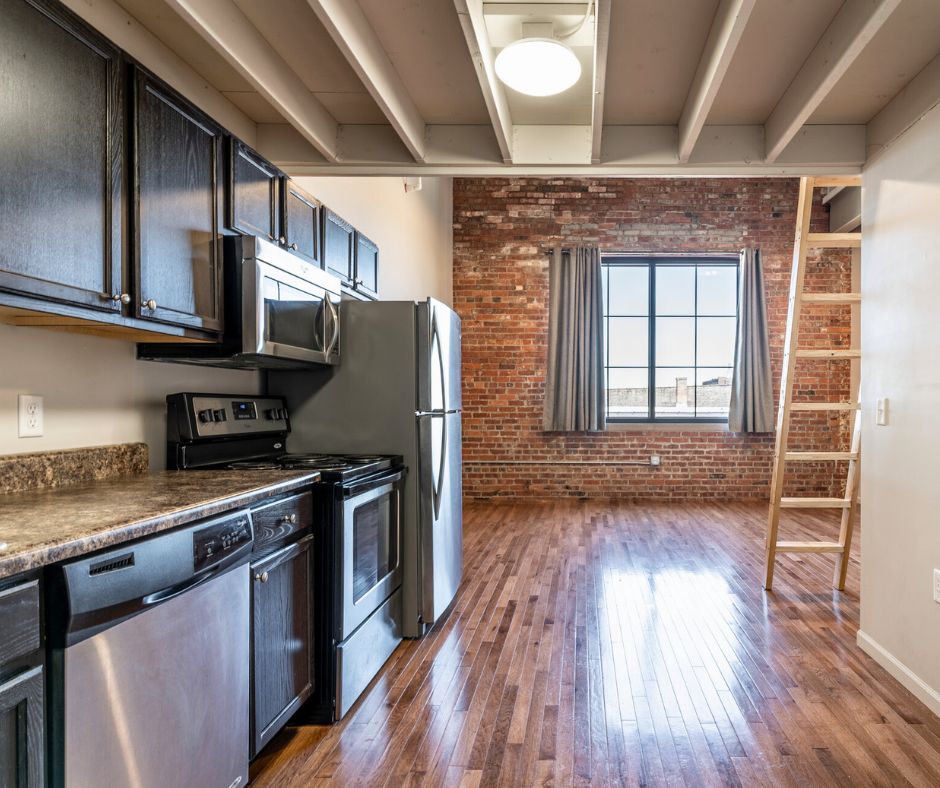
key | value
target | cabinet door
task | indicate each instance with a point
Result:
(281, 638)
(338, 250)
(367, 266)
(62, 119)
(254, 194)
(21, 730)
(301, 223)
(177, 242)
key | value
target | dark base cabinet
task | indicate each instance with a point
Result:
(281, 637)
(22, 681)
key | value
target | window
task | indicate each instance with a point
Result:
(670, 327)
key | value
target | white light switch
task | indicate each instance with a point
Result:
(30, 416)
(881, 413)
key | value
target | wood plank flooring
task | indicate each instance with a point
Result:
(599, 643)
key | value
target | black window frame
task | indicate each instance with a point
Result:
(651, 263)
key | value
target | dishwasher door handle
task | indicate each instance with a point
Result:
(180, 588)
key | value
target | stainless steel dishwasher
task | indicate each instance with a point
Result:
(150, 655)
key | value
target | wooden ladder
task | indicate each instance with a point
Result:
(806, 240)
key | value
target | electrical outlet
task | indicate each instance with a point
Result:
(30, 416)
(881, 413)
(655, 460)
(936, 586)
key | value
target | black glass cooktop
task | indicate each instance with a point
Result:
(333, 467)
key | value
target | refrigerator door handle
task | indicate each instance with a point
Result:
(439, 484)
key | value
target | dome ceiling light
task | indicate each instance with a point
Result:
(539, 64)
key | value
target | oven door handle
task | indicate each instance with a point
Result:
(383, 484)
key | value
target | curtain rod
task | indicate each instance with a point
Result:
(616, 253)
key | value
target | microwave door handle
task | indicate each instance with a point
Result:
(334, 322)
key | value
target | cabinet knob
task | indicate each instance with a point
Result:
(358, 282)
(294, 246)
(289, 518)
(263, 577)
(282, 239)
(124, 298)
(149, 304)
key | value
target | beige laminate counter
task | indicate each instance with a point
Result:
(42, 527)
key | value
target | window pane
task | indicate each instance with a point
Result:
(628, 341)
(675, 290)
(629, 290)
(675, 395)
(716, 341)
(717, 290)
(675, 341)
(713, 393)
(627, 393)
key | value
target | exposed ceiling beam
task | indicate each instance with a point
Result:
(601, 38)
(358, 42)
(915, 100)
(470, 13)
(223, 25)
(627, 150)
(845, 38)
(726, 31)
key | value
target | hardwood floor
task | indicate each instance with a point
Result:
(604, 643)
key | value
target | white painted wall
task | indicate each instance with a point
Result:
(414, 231)
(900, 622)
(95, 390)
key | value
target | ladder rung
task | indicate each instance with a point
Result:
(831, 181)
(809, 547)
(834, 240)
(824, 406)
(831, 298)
(814, 503)
(812, 456)
(829, 353)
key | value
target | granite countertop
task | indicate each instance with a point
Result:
(42, 527)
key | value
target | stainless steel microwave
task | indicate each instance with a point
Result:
(280, 313)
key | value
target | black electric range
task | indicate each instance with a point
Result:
(357, 517)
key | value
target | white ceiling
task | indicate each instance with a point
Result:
(424, 64)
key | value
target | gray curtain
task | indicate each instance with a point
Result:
(752, 398)
(574, 386)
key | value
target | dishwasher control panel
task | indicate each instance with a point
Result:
(219, 540)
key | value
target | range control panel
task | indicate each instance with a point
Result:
(215, 416)
(218, 541)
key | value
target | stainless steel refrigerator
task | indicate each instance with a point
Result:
(396, 391)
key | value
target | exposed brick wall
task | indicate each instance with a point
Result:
(501, 293)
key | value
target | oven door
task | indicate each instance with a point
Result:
(286, 316)
(369, 546)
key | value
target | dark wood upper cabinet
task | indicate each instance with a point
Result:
(62, 126)
(301, 222)
(367, 266)
(282, 638)
(177, 174)
(253, 194)
(338, 246)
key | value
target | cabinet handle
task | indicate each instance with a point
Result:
(289, 518)
(122, 298)
(358, 282)
(282, 239)
(263, 577)
(294, 246)
(149, 304)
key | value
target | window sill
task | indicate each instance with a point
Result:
(666, 426)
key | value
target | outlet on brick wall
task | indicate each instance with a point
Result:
(501, 293)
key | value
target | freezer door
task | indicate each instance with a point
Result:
(440, 512)
(438, 329)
